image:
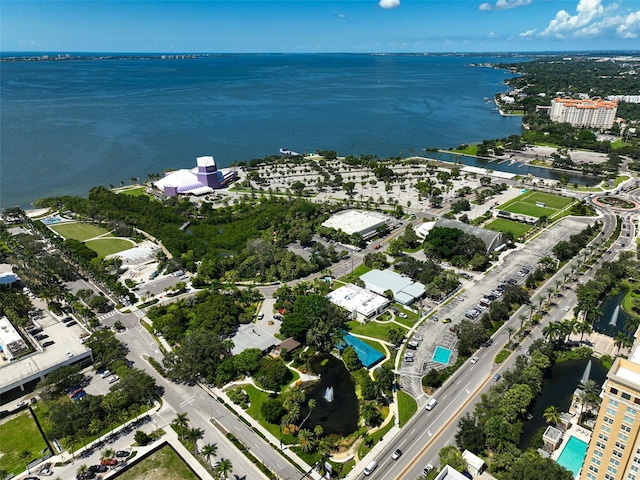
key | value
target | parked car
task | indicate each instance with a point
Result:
(122, 453)
(21, 404)
(446, 320)
(113, 379)
(98, 468)
(105, 373)
(79, 395)
(108, 461)
(71, 324)
(497, 377)
(427, 469)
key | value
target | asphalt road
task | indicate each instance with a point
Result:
(430, 431)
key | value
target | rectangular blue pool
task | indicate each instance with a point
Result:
(442, 355)
(572, 455)
(368, 355)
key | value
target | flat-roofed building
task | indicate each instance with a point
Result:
(584, 112)
(614, 448)
(357, 221)
(450, 473)
(63, 347)
(405, 290)
(355, 299)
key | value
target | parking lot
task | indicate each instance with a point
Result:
(440, 333)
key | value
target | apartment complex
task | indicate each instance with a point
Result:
(614, 449)
(584, 113)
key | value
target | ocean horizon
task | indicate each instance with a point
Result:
(70, 125)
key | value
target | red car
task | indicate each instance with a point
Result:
(109, 461)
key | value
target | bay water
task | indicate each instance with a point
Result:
(69, 125)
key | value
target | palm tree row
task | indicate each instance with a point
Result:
(220, 469)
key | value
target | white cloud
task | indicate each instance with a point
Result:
(504, 4)
(388, 4)
(528, 33)
(592, 19)
(341, 15)
(492, 35)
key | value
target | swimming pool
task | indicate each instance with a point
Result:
(442, 355)
(368, 355)
(52, 219)
(572, 455)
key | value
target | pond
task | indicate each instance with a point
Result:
(558, 390)
(335, 395)
(613, 316)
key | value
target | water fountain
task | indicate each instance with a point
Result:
(587, 372)
(614, 317)
(328, 394)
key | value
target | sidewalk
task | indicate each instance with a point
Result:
(216, 392)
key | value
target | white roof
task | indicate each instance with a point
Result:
(628, 375)
(353, 298)
(473, 460)
(352, 221)
(424, 228)
(177, 178)
(206, 161)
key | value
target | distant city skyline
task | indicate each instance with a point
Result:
(318, 26)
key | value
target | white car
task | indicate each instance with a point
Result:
(69, 355)
(567, 308)
(474, 359)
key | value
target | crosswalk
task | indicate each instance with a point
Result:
(112, 313)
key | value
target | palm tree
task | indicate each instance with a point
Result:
(510, 330)
(582, 328)
(209, 450)
(182, 421)
(194, 434)
(82, 469)
(25, 455)
(585, 399)
(591, 387)
(622, 340)
(107, 454)
(311, 404)
(550, 332)
(522, 317)
(95, 427)
(551, 415)
(223, 467)
(306, 441)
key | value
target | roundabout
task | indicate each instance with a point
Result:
(616, 203)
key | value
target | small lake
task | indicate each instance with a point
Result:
(557, 390)
(340, 415)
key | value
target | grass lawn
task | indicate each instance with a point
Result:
(24, 436)
(409, 321)
(257, 398)
(503, 225)
(375, 436)
(372, 329)
(351, 277)
(373, 344)
(107, 246)
(165, 464)
(528, 209)
(468, 150)
(78, 231)
(407, 406)
(134, 192)
(619, 180)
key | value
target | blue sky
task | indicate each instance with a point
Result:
(319, 25)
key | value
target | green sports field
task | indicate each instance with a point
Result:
(78, 230)
(503, 225)
(107, 246)
(525, 204)
(19, 434)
